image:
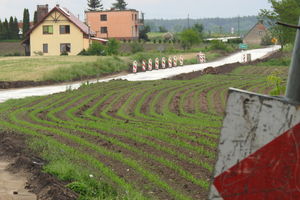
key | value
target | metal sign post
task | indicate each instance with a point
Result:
(260, 143)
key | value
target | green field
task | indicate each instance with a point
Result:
(139, 140)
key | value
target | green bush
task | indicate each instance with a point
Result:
(113, 47)
(98, 49)
(136, 47)
(219, 45)
(235, 41)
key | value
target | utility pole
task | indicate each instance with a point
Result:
(239, 26)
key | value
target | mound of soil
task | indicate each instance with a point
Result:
(224, 68)
(45, 186)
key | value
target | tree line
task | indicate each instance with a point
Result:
(9, 29)
(96, 5)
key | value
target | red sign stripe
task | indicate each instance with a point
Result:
(271, 173)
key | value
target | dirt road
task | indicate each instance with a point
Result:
(12, 185)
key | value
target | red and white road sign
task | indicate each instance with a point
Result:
(150, 64)
(134, 67)
(181, 61)
(259, 150)
(175, 61)
(170, 62)
(163, 62)
(156, 63)
(144, 65)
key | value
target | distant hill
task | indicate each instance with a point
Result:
(213, 25)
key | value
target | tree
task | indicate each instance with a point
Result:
(120, 5)
(162, 29)
(287, 11)
(5, 31)
(16, 29)
(35, 20)
(26, 23)
(11, 28)
(143, 33)
(95, 5)
(189, 37)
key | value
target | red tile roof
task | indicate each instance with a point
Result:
(71, 17)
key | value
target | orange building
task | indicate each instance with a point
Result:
(119, 24)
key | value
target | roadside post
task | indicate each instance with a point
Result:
(201, 57)
(175, 61)
(170, 62)
(163, 62)
(156, 63)
(134, 67)
(144, 65)
(181, 61)
(150, 64)
(258, 152)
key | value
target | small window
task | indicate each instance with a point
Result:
(103, 29)
(45, 48)
(103, 17)
(48, 29)
(64, 29)
(260, 33)
(65, 47)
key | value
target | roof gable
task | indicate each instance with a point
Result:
(67, 14)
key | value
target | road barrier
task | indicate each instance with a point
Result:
(201, 57)
(134, 67)
(175, 61)
(150, 64)
(156, 63)
(181, 61)
(143, 65)
(170, 62)
(163, 62)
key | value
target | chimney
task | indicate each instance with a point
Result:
(42, 11)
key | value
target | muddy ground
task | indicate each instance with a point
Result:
(224, 68)
(45, 186)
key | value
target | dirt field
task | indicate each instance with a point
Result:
(11, 47)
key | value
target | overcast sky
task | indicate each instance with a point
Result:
(167, 9)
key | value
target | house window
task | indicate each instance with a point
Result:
(103, 29)
(64, 29)
(260, 32)
(103, 17)
(65, 47)
(48, 29)
(45, 48)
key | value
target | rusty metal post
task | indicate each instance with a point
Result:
(293, 84)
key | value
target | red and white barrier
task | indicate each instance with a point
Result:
(170, 62)
(150, 64)
(156, 63)
(134, 67)
(181, 61)
(258, 149)
(201, 57)
(144, 65)
(175, 61)
(163, 62)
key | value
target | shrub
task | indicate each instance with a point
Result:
(136, 47)
(97, 49)
(113, 47)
